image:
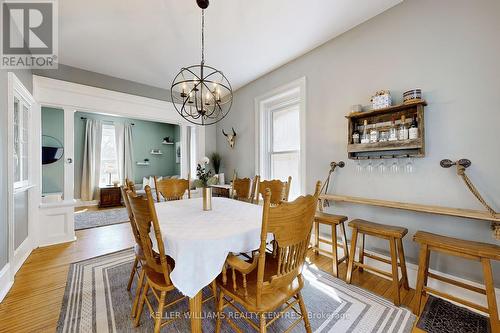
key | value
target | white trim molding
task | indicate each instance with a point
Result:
(6, 281)
(294, 91)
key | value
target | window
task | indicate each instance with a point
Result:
(109, 160)
(281, 136)
(21, 143)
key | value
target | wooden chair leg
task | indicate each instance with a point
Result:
(344, 241)
(362, 252)
(138, 290)
(214, 290)
(423, 267)
(426, 276)
(334, 252)
(141, 304)
(304, 313)
(395, 275)
(132, 274)
(220, 306)
(263, 328)
(402, 262)
(490, 295)
(159, 312)
(352, 255)
(316, 237)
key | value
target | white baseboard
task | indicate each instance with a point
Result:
(6, 281)
(80, 203)
(20, 255)
(412, 270)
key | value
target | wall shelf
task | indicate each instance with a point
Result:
(156, 152)
(430, 209)
(167, 143)
(392, 149)
(142, 163)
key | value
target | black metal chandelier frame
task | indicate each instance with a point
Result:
(196, 102)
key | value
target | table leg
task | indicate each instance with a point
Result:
(195, 312)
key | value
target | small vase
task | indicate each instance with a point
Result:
(207, 198)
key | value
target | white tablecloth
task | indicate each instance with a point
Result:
(199, 241)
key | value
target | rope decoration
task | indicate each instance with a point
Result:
(462, 165)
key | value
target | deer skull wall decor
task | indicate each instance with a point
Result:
(230, 137)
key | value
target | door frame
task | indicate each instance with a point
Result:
(17, 256)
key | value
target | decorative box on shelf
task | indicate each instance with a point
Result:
(382, 121)
(382, 99)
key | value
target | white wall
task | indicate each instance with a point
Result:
(450, 49)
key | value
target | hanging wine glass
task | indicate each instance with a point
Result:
(382, 167)
(394, 166)
(359, 167)
(369, 167)
(409, 165)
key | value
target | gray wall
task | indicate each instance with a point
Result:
(450, 49)
(26, 78)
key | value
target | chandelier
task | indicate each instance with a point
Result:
(201, 94)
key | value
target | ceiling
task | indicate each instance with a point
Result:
(148, 41)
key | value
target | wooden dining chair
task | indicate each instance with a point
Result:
(288, 183)
(140, 259)
(253, 190)
(172, 189)
(157, 266)
(279, 190)
(130, 185)
(241, 189)
(266, 283)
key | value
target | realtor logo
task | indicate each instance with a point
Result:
(29, 34)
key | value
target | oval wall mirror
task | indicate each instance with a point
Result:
(52, 149)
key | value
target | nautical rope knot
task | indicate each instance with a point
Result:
(495, 226)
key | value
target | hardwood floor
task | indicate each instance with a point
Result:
(34, 302)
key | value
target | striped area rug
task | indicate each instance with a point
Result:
(96, 300)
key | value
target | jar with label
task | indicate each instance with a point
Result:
(374, 134)
(383, 136)
(393, 135)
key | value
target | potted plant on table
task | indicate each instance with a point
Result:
(204, 180)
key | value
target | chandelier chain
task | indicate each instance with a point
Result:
(203, 36)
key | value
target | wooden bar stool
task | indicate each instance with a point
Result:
(333, 221)
(481, 252)
(395, 237)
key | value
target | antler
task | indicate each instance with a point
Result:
(234, 133)
(224, 132)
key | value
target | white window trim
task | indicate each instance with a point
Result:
(281, 95)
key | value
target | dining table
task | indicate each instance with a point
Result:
(199, 242)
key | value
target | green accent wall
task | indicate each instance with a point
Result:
(53, 174)
(147, 135)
